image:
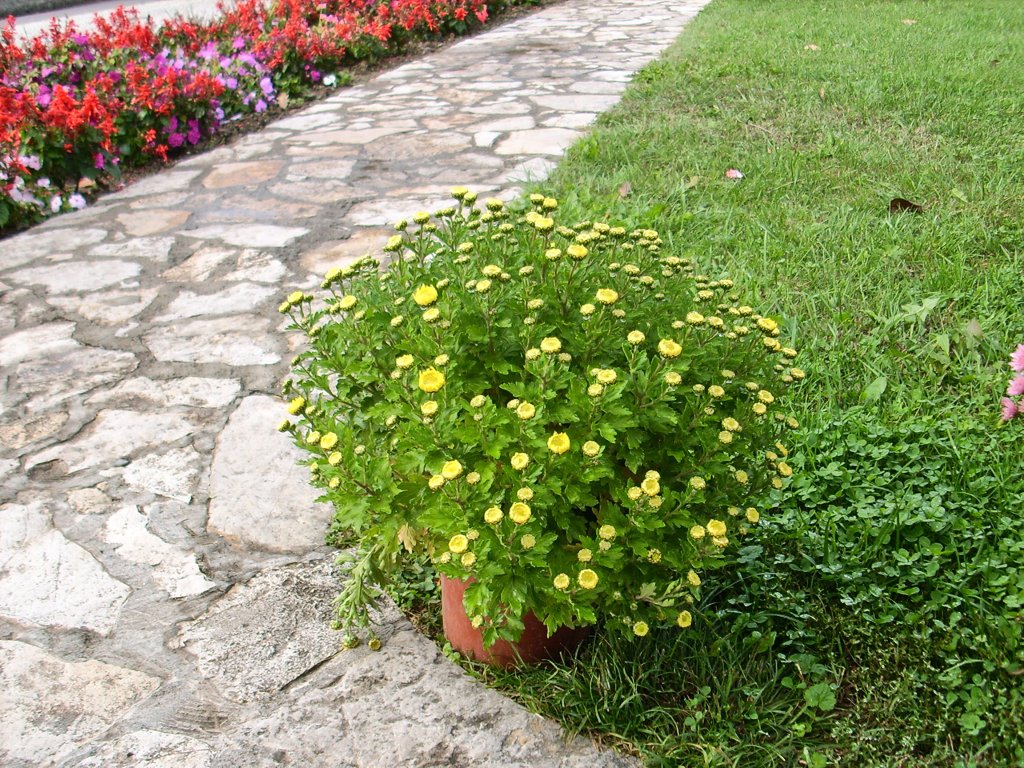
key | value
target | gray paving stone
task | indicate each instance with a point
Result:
(235, 341)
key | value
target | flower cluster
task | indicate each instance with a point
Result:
(1013, 403)
(570, 416)
(76, 106)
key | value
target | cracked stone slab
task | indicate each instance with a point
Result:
(233, 300)
(37, 245)
(193, 391)
(40, 341)
(109, 307)
(265, 634)
(53, 380)
(237, 340)
(249, 235)
(173, 475)
(78, 276)
(151, 749)
(48, 705)
(259, 497)
(47, 580)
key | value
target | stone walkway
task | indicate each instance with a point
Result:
(164, 592)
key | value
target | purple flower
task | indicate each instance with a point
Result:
(208, 51)
(193, 132)
(219, 114)
(43, 182)
(172, 125)
(30, 161)
(261, 106)
(1009, 409)
(76, 201)
(175, 140)
(248, 58)
(231, 83)
(80, 39)
(238, 43)
(99, 161)
(1017, 359)
(267, 86)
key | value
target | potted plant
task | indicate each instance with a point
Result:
(570, 421)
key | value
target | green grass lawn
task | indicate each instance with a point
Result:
(877, 618)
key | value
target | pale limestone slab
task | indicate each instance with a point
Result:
(152, 222)
(540, 141)
(200, 265)
(176, 572)
(49, 706)
(28, 429)
(387, 211)
(238, 174)
(523, 123)
(47, 580)
(89, 501)
(322, 192)
(323, 169)
(235, 299)
(416, 146)
(37, 245)
(267, 632)
(78, 276)
(113, 436)
(249, 235)
(192, 391)
(485, 138)
(151, 749)
(257, 266)
(146, 248)
(339, 253)
(307, 122)
(571, 120)
(174, 474)
(107, 308)
(41, 341)
(239, 340)
(259, 497)
(57, 377)
(577, 102)
(346, 137)
(158, 184)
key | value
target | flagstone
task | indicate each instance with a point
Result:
(541, 141)
(147, 248)
(75, 276)
(200, 265)
(252, 235)
(33, 246)
(192, 391)
(41, 341)
(237, 174)
(258, 267)
(238, 340)
(108, 308)
(54, 379)
(158, 184)
(174, 474)
(235, 299)
(339, 253)
(25, 429)
(152, 222)
(151, 749)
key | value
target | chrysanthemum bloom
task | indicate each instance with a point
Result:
(669, 348)
(697, 532)
(606, 532)
(698, 483)
(587, 309)
(483, 286)
(493, 515)
(528, 541)
(524, 494)
(562, 581)
(716, 528)
(654, 555)
(397, 320)
(313, 437)
(296, 405)
(752, 515)
(607, 376)
(640, 628)
(404, 361)
(587, 579)
(694, 318)
(720, 541)
(431, 380)
(328, 441)
(553, 254)
(431, 315)
(334, 459)
(425, 295)
(590, 448)
(429, 408)
(520, 513)
(519, 461)
(673, 379)
(759, 408)
(725, 437)
(1017, 359)
(585, 555)
(526, 411)
(1016, 386)
(716, 391)
(441, 359)
(742, 477)
(468, 560)
(651, 486)
(693, 579)
(634, 493)
(473, 478)
(684, 619)
(635, 337)
(550, 345)
(766, 397)
(595, 390)
(458, 543)
(731, 424)
(435, 482)
(451, 470)
(767, 324)
(1009, 409)
(558, 443)
(577, 251)
(478, 401)
(784, 469)
(606, 296)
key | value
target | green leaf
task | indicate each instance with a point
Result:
(821, 696)
(873, 391)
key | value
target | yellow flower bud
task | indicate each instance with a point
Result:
(458, 544)
(635, 337)
(558, 443)
(520, 513)
(562, 581)
(590, 448)
(606, 296)
(425, 295)
(493, 515)
(550, 345)
(587, 579)
(451, 470)
(669, 348)
(519, 461)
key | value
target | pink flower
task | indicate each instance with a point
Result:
(1017, 359)
(734, 173)
(1009, 408)
(1016, 386)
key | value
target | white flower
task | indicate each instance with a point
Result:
(330, 79)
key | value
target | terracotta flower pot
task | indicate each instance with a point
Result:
(533, 646)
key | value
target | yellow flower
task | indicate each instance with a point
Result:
(473, 478)
(698, 483)
(716, 391)
(431, 315)
(478, 401)
(441, 360)
(459, 192)
(549, 203)
(693, 578)
(435, 482)
(587, 309)
(550, 345)
(635, 337)
(347, 302)
(524, 494)
(607, 376)
(606, 532)
(766, 397)
(731, 424)
(656, 502)
(520, 513)
(673, 379)
(759, 408)
(587, 579)
(742, 477)
(595, 390)
(526, 411)
(458, 544)
(558, 443)
(776, 483)
(532, 354)
(296, 405)
(328, 441)
(684, 619)
(694, 318)
(654, 555)
(720, 541)
(784, 469)
(295, 297)
(669, 348)
(431, 380)
(716, 528)
(520, 460)
(425, 295)
(468, 560)
(590, 448)
(451, 470)
(606, 296)
(483, 286)
(797, 373)
(491, 270)
(792, 423)
(697, 532)
(528, 541)
(584, 555)
(562, 581)
(640, 628)
(634, 493)
(313, 437)
(552, 254)
(752, 515)
(725, 437)
(782, 449)
(767, 324)
(577, 251)
(404, 361)
(650, 486)
(493, 515)
(334, 459)
(397, 320)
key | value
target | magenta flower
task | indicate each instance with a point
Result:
(1009, 408)
(1017, 359)
(1016, 386)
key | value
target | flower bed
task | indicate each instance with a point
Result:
(77, 106)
